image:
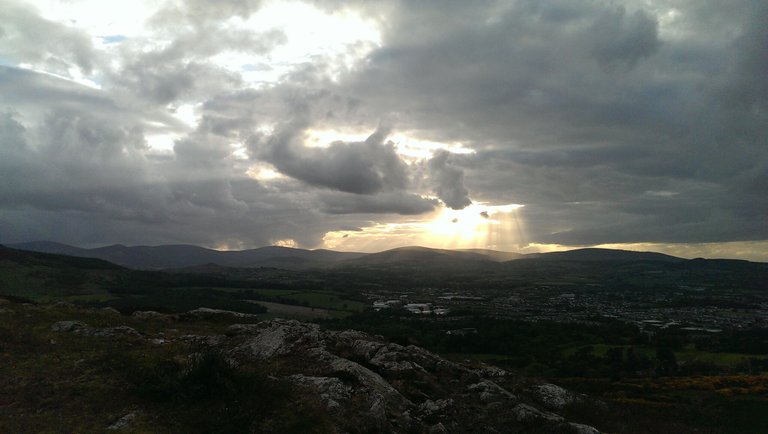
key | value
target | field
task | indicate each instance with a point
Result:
(299, 303)
(279, 310)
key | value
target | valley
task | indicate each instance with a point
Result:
(673, 342)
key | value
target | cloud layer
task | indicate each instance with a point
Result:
(201, 122)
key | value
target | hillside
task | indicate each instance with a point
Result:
(186, 256)
(160, 373)
(180, 256)
(602, 255)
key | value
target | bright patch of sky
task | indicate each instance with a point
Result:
(343, 36)
(186, 113)
(479, 225)
(74, 75)
(161, 143)
(264, 172)
(311, 32)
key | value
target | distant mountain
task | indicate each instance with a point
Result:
(51, 247)
(495, 255)
(417, 256)
(188, 256)
(602, 255)
(181, 256)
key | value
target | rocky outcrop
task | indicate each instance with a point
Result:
(208, 313)
(552, 396)
(67, 326)
(148, 314)
(371, 385)
(79, 327)
(124, 423)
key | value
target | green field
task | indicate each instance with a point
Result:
(314, 299)
(687, 354)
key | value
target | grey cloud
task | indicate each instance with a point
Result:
(35, 95)
(25, 37)
(448, 181)
(164, 83)
(198, 12)
(76, 161)
(576, 109)
(588, 102)
(383, 203)
(182, 69)
(624, 38)
(749, 85)
(367, 167)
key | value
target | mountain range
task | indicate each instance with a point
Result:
(185, 256)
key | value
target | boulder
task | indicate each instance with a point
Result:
(67, 326)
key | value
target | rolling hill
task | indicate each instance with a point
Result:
(180, 256)
(188, 256)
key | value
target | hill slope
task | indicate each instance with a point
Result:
(179, 256)
(187, 374)
(594, 254)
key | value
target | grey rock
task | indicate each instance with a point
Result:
(490, 391)
(583, 429)
(370, 385)
(123, 423)
(147, 314)
(67, 326)
(526, 413)
(208, 313)
(109, 332)
(208, 340)
(438, 428)
(332, 390)
(430, 407)
(552, 396)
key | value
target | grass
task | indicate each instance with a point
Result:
(716, 404)
(314, 299)
(53, 382)
(687, 354)
(327, 301)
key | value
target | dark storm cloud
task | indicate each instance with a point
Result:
(749, 85)
(610, 121)
(448, 181)
(76, 162)
(590, 102)
(383, 203)
(367, 167)
(622, 38)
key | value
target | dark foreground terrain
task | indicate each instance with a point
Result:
(70, 369)
(640, 344)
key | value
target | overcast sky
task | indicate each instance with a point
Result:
(526, 125)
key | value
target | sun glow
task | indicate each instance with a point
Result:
(479, 225)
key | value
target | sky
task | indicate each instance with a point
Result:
(517, 125)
